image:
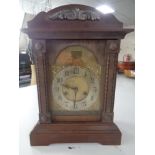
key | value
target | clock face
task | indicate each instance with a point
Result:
(76, 82)
(75, 88)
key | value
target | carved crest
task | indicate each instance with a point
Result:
(75, 14)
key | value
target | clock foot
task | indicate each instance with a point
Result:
(103, 133)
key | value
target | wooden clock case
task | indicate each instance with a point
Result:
(69, 25)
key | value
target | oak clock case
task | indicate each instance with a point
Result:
(75, 49)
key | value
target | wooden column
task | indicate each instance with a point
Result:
(39, 51)
(111, 54)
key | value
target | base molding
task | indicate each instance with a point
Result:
(103, 133)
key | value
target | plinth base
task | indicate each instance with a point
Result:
(104, 133)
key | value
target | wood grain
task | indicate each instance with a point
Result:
(45, 134)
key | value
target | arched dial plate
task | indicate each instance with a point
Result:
(75, 88)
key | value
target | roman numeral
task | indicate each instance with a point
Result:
(66, 73)
(59, 80)
(76, 71)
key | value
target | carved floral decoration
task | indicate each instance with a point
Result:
(75, 14)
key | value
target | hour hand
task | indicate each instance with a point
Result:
(69, 87)
(66, 86)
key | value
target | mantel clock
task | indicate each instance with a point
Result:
(75, 50)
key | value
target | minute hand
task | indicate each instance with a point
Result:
(75, 91)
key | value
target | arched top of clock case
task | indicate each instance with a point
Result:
(71, 19)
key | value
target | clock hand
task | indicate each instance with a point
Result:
(69, 87)
(75, 91)
(66, 86)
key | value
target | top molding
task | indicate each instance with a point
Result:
(74, 19)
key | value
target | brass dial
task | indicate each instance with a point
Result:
(75, 88)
